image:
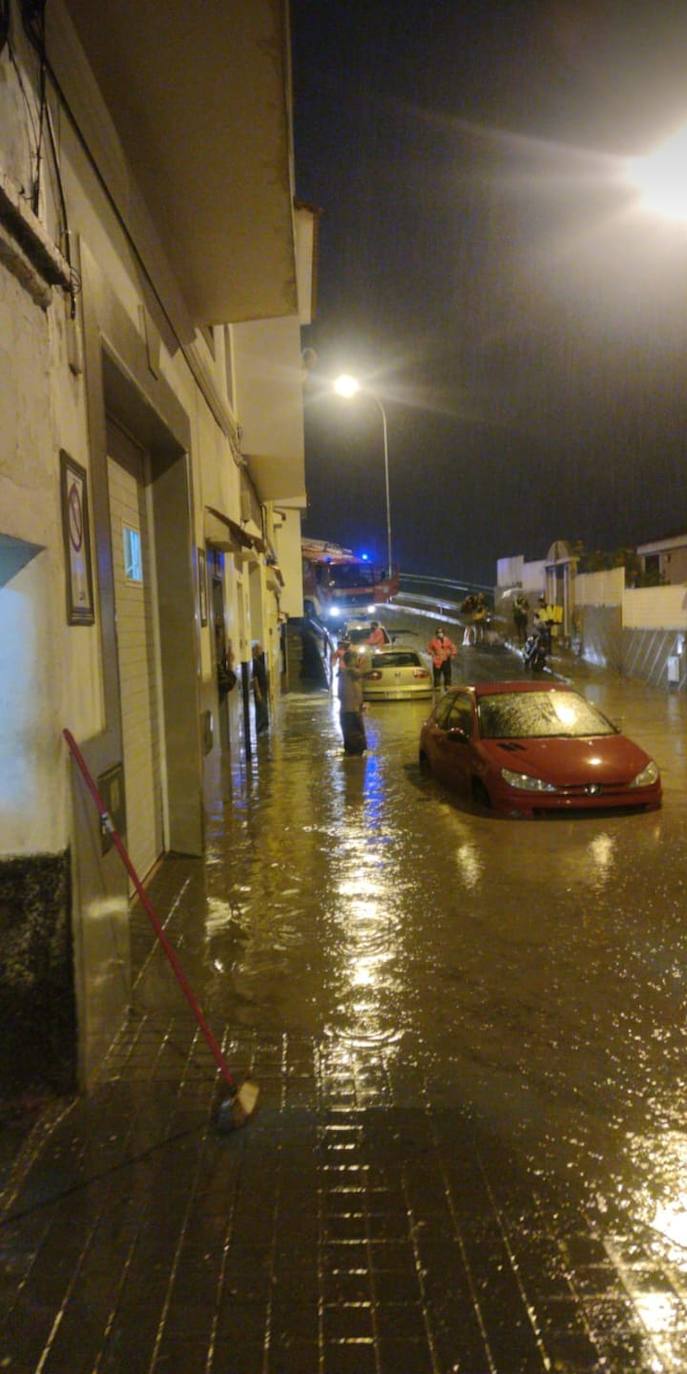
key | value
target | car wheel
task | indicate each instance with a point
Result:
(423, 761)
(480, 796)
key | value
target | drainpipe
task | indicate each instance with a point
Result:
(245, 692)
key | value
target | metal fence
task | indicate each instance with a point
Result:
(443, 590)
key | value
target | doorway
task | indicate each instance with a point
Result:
(219, 638)
(133, 565)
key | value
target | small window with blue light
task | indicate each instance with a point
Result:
(133, 560)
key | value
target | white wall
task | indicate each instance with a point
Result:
(509, 571)
(514, 572)
(603, 588)
(287, 537)
(655, 608)
(534, 576)
(269, 386)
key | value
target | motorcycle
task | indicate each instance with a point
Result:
(535, 652)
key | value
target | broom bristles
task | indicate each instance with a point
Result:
(239, 1108)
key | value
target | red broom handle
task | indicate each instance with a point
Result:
(168, 947)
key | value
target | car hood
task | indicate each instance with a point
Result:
(606, 759)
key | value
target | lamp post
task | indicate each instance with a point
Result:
(348, 387)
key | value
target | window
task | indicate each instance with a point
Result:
(541, 715)
(133, 559)
(460, 716)
(397, 659)
(443, 711)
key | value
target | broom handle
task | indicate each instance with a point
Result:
(168, 947)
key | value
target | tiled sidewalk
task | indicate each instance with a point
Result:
(364, 1223)
(350, 1229)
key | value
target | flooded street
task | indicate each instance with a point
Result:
(532, 971)
(469, 1035)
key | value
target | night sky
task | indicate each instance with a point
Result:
(485, 268)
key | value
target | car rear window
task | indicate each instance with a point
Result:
(536, 715)
(401, 658)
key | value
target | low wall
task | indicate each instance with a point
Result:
(655, 608)
(654, 631)
(645, 655)
(600, 634)
(635, 630)
(600, 588)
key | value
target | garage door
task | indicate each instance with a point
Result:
(136, 648)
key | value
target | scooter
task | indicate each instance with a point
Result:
(536, 650)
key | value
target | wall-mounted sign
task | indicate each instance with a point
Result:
(77, 541)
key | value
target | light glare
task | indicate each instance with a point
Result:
(661, 177)
(346, 386)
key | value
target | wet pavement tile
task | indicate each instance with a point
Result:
(410, 1197)
(313, 1243)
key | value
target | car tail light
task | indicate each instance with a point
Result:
(420, 672)
(373, 677)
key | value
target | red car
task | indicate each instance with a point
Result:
(525, 747)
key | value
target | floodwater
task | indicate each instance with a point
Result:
(469, 1037)
(533, 972)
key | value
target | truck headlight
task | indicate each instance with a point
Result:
(525, 783)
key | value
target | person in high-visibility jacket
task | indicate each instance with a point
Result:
(442, 650)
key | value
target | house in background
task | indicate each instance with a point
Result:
(155, 270)
(665, 558)
(626, 611)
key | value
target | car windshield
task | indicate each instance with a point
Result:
(349, 575)
(536, 715)
(359, 634)
(398, 659)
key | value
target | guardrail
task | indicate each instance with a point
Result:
(436, 603)
(417, 584)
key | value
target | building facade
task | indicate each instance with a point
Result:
(154, 274)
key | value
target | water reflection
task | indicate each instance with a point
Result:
(366, 909)
(470, 863)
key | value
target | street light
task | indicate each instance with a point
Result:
(661, 177)
(348, 387)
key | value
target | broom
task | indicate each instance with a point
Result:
(242, 1100)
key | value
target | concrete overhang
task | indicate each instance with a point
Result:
(223, 533)
(199, 96)
(677, 541)
(278, 478)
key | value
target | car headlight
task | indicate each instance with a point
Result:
(525, 783)
(647, 777)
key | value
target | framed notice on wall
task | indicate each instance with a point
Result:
(77, 541)
(202, 588)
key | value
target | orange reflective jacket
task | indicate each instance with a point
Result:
(441, 649)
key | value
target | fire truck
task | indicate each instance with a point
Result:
(337, 584)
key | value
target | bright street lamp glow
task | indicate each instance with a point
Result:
(346, 386)
(661, 177)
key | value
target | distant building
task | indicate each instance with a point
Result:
(667, 558)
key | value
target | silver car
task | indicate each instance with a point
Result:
(395, 673)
